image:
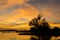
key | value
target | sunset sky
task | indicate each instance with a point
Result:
(22, 11)
(15, 14)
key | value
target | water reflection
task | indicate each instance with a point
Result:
(15, 36)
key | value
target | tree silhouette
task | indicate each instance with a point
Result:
(34, 21)
(41, 27)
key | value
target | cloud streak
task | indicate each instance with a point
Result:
(29, 9)
(49, 8)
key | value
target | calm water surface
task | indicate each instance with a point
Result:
(15, 36)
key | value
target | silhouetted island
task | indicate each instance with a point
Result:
(42, 28)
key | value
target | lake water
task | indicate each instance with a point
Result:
(15, 36)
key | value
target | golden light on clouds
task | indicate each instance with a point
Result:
(28, 12)
(10, 3)
(14, 10)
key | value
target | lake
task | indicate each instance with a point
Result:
(15, 36)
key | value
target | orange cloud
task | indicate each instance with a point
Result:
(28, 12)
(10, 3)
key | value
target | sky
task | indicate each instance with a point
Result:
(22, 11)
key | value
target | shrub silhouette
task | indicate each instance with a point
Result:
(55, 31)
